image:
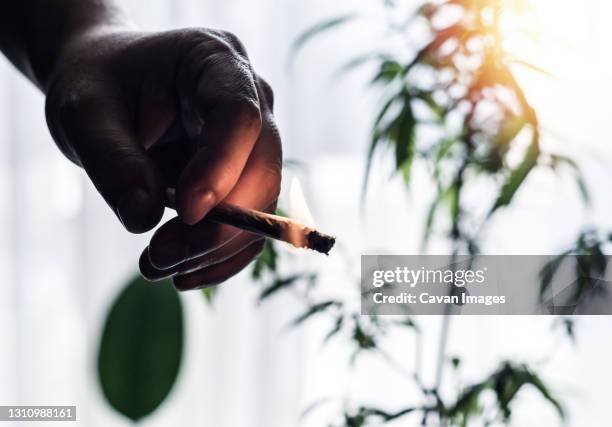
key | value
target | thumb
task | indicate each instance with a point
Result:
(100, 136)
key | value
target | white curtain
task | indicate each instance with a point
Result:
(64, 256)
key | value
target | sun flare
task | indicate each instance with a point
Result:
(563, 62)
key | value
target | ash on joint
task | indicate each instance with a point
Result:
(320, 242)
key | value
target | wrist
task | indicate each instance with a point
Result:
(80, 46)
(48, 39)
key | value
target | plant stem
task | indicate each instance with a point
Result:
(444, 334)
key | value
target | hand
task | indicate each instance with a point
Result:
(181, 109)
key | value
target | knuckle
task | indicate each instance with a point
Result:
(73, 102)
(222, 64)
(115, 154)
(227, 75)
(202, 48)
(212, 48)
(211, 41)
(230, 89)
(272, 179)
(65, 107)
(107, 157)
(220, 77)
(248, 114)
(267, 91)
(248, 110)
(233, 41)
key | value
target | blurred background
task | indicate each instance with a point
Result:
(64, 256)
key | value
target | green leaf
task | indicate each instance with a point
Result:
(431, 213)
(141, 348)
(209, 294)
(584, 189)
(509, 131)
(535, 381)
(385, 415)
(314, 405)
(589, 267)
(517, 176)
(506, 382)
(389, 71)
(455, 362)
(578, 175)
(364, 340)
(357, 420)
(468, 402)
(452, 196)
(443, 149)
(511, 378)
(398, 414)
(431, 49)
(314, 309)
(337, 328)
(569, 327)
(503, 76)
(281, 283)
(405, 141)
(381, 115)
(320, 28)
(449, 195)
(428, 99)
(549, 270)
(378, 135)
(360, 60)
(265, 261)
(408, 322)
(533, 67)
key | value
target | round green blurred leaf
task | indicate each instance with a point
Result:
(140, 352)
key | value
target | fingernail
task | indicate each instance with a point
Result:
(144, 266)
(198, 206)
(168, 253)
(148, 271)
(136, 211)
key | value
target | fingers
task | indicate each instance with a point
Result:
(220, 110)
(175, 242)
(228, 250)
(218, 273)
(97, 127)
(177, 248)
(258, 188)
(226, 112)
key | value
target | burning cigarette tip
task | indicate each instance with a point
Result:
(264, 224)
(320, 242)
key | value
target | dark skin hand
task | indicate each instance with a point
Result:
(142, 112)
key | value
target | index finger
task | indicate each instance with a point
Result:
(221, 113)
